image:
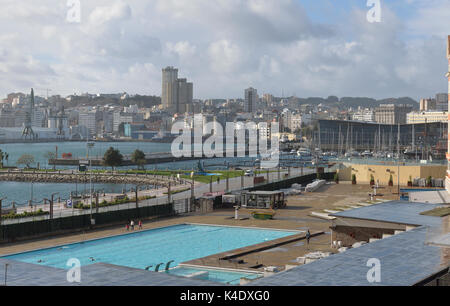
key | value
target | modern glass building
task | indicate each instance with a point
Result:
(344, 136)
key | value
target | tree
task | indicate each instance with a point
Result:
(3, 156)
(138, 157)
(26, 159)
(336, 177)
(333, 99)
(112, 158)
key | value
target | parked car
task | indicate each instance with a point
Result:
(249, 173)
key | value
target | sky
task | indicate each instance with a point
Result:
(306, 48)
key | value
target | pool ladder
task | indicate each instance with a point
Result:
(159, 265)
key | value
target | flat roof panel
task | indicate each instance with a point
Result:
(396, 212)
(350, 267)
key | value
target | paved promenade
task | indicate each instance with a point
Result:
(234, 184)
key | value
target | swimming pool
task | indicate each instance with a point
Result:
(142, 249)
(215, 275)
(405, 190)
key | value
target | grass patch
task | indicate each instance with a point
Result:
(183, 174)
(438, 212)
(178, 191)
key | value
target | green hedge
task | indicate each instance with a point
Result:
(25, 214)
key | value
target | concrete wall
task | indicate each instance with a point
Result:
(350, 235)
(380, 172)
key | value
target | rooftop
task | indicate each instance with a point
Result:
(406, 258)
(395, 212)
(99, 274)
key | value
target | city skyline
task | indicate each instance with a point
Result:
(302, 48)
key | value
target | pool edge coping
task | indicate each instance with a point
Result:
(182, 265)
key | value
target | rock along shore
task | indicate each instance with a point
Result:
(85, 178)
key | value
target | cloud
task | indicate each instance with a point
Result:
(256, 21)
(183, 49)
(224, 56)
(223, 46)
(117, 12)
(431, 18)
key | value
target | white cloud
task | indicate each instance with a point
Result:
(116, 12)
(182, 48)
(223, 46)
(225, 56)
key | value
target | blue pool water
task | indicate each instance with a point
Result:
(222, 276)
(139, 250)
(420, 189)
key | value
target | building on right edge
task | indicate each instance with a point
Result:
(447, 179)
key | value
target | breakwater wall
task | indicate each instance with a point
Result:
(43, 177)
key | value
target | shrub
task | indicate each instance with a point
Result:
(13, 215)
(336, 177)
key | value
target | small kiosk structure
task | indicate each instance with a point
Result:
(263, 200)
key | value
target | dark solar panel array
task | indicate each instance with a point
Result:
(396, 212)
(25, 274)
(405, 258)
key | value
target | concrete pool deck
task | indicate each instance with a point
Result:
(295, 217)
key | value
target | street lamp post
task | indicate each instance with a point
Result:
(31, 196)
(1, 227)
(398, 178)
(137, 197)
(6, 272)
(89, 146)
(398, 161)
(51, 204)
(169, 193)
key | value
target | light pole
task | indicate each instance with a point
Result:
(51, 204)
(31, 196)
(90, 145)
(398, 177)
(1, 228)
(137, 198)
(6, 272)
(398, 160)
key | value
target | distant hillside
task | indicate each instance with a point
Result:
(356, 101)
(141, 101)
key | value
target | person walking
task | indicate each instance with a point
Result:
(127, 226)
(140, 224)
(308, 236)
(132, 225)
